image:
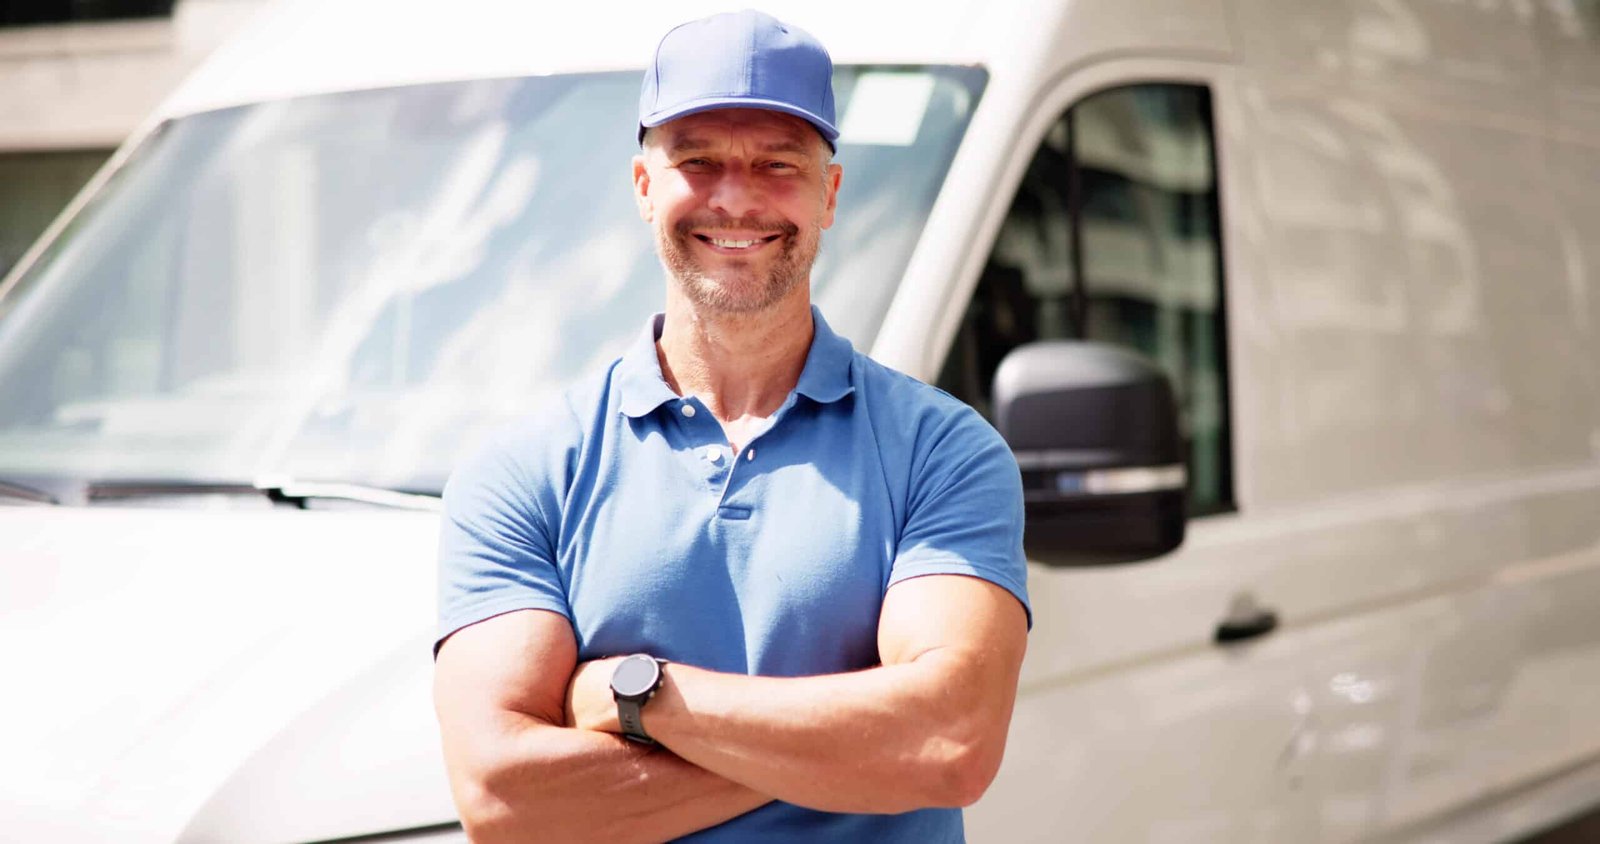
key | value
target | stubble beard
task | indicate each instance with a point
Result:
(738, 287)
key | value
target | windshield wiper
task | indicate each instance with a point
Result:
(12, 491)
(281, 491)
(299, 492)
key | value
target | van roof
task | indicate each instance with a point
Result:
(298, 47)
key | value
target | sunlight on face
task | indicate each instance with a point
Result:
(738, 199)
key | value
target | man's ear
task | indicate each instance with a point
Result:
(830, 186)
(641, 189)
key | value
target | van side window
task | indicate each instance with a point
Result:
(1137, 165)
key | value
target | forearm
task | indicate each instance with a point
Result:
(551, 783)
(887, 739)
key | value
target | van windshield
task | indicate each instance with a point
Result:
(355, 287)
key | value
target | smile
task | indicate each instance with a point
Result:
(736, 244)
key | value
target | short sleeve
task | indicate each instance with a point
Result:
(497, 549)
(964, 511)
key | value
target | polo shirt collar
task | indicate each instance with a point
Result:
(639, 373)
(825, 378)
(827, 373)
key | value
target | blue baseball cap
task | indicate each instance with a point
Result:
(745, 59)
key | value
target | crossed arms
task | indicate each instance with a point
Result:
(531, 747)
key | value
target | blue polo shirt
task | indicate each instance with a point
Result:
(624, 510)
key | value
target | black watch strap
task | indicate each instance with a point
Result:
(630, 716)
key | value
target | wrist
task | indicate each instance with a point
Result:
(635, 681)
(667, 717)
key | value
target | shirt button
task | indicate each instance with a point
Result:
(750, 454)
(714, 454)
(688, 409)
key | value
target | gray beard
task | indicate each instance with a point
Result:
(740, 290)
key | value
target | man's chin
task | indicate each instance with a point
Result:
(734, 295)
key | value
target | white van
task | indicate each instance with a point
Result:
(1360, 238)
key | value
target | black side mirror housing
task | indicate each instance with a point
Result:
(1095, 431)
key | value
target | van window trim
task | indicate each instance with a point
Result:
(1071, 87)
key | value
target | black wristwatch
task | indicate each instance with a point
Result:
(637, 677)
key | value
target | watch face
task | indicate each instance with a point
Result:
(635, 676)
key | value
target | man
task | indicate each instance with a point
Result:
(826, 553)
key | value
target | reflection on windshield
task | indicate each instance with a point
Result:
(355, 287)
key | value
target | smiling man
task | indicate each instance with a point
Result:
(746, 584)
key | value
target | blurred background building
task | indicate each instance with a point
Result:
(76, 77)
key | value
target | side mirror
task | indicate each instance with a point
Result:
(1095, 432)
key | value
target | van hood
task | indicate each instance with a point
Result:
(206, 675)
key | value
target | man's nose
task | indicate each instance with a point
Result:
(736, 194)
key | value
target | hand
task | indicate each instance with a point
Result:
(590, 705)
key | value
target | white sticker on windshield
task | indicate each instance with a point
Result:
(886, 109)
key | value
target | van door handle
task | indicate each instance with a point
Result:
(1246, 619)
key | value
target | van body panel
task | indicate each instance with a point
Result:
(176, 648)
(1207, 746)
(1482, 57)
(360, 44)
(357, 44)
(1401, 262)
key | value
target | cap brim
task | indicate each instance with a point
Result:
(827, 130)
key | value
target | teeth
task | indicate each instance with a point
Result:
(733, 244)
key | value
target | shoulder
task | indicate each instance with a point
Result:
(932, 417)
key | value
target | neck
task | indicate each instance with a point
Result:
(741, 366)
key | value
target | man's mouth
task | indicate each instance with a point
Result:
(736, 244)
